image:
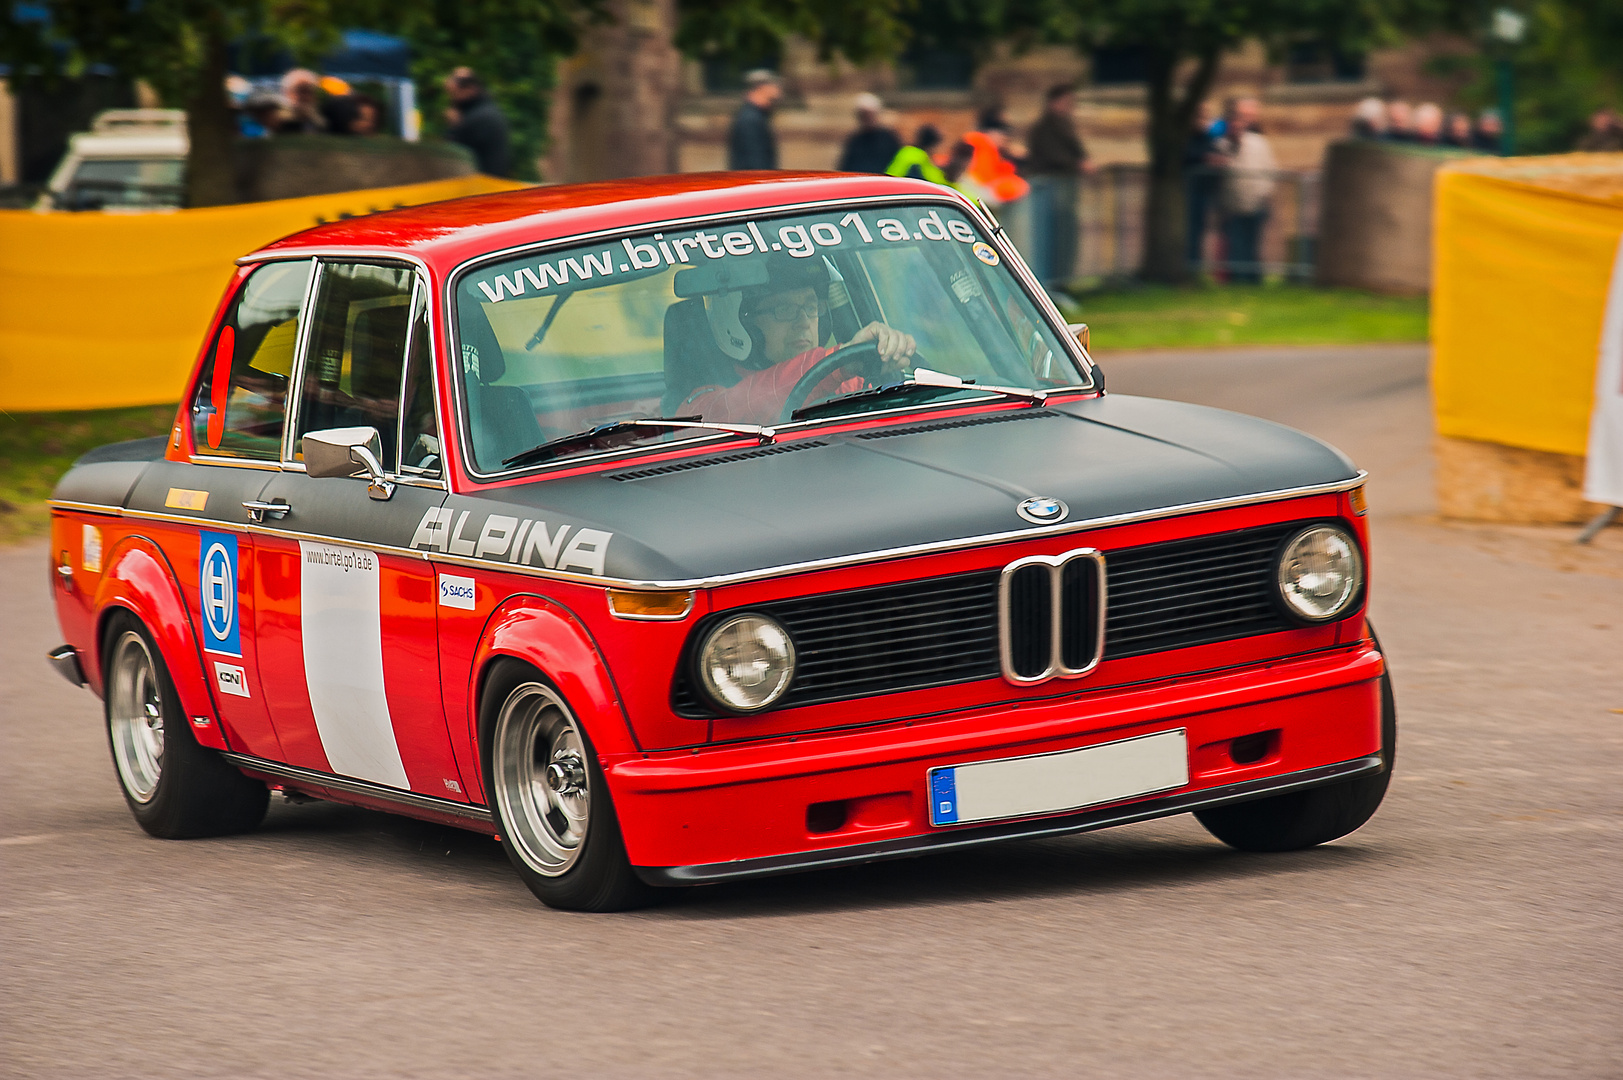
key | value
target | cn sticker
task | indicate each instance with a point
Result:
(457, 592)
(231, 679)
(217, 593)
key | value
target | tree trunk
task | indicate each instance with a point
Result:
(614, 112)
(1171, 118)
(210, 171)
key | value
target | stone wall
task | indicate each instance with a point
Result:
(291, 166)
(1375, 220)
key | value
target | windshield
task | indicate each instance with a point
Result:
(746, 322)
(101, 182)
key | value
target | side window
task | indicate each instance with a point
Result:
(357, 352)
(241, 399)
(420, 432)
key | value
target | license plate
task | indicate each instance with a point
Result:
(1051, 783)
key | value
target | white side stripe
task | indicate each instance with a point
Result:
(342, 622)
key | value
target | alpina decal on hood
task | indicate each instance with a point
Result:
(521, 543)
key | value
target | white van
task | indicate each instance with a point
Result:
(130, 160)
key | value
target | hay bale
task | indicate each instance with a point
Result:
(1483, 481)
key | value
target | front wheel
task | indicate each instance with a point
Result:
(549, 798)
(1304, 819)
(176, 788)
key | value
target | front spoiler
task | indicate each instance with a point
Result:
(955, 839)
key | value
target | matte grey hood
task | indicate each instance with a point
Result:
(746, 509)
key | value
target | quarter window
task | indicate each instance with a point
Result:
(352, 374)
(241, 401)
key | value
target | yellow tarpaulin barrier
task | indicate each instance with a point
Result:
(1523, 253)
(101, 310)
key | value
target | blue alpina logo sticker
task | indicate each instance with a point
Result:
(1041, 510)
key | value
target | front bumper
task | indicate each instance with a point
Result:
(794, 803)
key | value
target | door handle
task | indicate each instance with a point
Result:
(259, 511)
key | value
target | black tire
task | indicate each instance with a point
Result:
(183, 790)
(1304, 819)
(570, 872)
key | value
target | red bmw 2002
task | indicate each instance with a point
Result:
(695, 528)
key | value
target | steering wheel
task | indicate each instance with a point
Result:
(861, 359)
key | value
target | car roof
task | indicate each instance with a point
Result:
(445, 234)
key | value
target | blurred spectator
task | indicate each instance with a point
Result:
(991, 173)
(914, 160)
(1399, 122)
(1055, 162)
(872, 146)
(477, 122)
(1201, 159)
(1605, 132)
(1490, 132)
(303, 115)
(368, 115)
(1459, 133)
(1369, 119)
(1248, 187)
(957, 163)
(262, 114)
(751, 143)
(1428, 124)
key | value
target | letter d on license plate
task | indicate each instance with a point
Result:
(1052, 783)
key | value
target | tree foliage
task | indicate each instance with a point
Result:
(1570, 64)
(858, 30)
(179, 48)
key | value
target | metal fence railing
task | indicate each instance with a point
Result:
(1110, 212)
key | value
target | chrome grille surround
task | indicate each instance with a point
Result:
(1021, 613)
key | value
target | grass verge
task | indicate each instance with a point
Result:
(37, 448)
(1168, 317)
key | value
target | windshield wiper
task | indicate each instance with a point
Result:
(921, 379)
(554, 447)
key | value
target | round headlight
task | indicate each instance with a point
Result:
(1320, 573)
(746, 662)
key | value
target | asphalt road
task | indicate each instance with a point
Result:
(1471, 929)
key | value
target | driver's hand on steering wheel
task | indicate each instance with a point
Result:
(895, 347)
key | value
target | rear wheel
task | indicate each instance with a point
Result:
(1304, 819)
(175, 788)
(549, 798)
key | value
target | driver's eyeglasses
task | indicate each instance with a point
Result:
(789, 311)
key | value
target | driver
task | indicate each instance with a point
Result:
(784, 320)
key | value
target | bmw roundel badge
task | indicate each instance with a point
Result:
(1041, 510)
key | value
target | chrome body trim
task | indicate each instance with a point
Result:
(86, 508)
(786, 569)
(477, 815)
(234, 462)
(1022, 274)
(966, 836)
(1056, 668)
(65, 659)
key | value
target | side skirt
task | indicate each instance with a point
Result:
(347, 789)
(956, 839)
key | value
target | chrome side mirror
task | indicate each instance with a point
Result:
(336, 452)
(1079, 330)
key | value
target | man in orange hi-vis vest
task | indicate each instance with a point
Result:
(991, 176)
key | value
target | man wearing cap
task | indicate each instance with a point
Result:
(750, 142)
(872, 146)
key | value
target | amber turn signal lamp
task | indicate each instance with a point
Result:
(1356, 497)
(650, 605)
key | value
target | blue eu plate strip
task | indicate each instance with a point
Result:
(944, 796)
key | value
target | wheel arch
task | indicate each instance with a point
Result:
(139, 580)
(549, 637)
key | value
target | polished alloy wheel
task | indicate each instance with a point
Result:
(543, 787)
(135, 714)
